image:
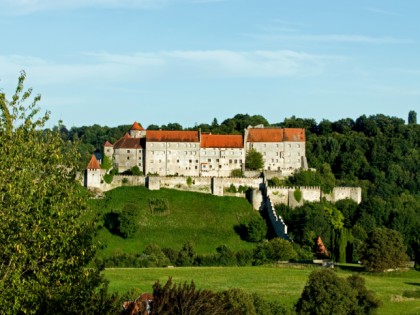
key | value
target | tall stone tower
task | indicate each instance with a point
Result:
(94, 174)
(137, 131)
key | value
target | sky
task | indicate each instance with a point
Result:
(113, 62)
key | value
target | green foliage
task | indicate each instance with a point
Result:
(254, 160)
(231, 189)
(189, 181)
(326, 293)
(275, 250)
(256, 229)
(323, 178)
(106, 163)
(159, 205)
(412, 117)
(186, 256)
(274, 182)
(384, 249)
(180, 299)
(124, 180)
(45, 238)
(135, 170)
(237, 173)
(128, 220)
(110, 176)
(298, 195)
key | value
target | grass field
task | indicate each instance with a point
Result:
(399, 292)
(205, 219)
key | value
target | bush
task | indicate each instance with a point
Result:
(274, 182)
(256, 229)
(125, 180)
(189, 181)
(136, 171)
(231, 189)
(298, 195)
(274, 250)
(127, 220)
(350, 295)
(237, 173)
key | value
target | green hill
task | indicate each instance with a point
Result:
(206, 220)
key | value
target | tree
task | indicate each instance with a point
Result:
(384, 249)
(256, 229)
(412, 117)
(254, 160)
(317, 295)
(326, 293)
(45, 240)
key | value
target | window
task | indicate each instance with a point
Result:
(298, 146)
(217, 160)
(277, 145)
(209, 160)
(128, 157)
(139, 157)
(220, 166)
(190, 161)
(177, 161)
(196, 167)
(151, 144)
(128, 151)
(236, 161)
(107, 150)
(230, 161)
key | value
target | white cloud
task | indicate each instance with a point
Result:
(352, 38)
(106, 69)
(18, 7)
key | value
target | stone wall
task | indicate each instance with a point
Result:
(280, 228)
(286, 195)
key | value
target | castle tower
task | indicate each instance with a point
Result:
(108, 149)
(94, 174)
(137, 131)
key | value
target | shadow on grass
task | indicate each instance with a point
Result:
(413, 283)
(351, 268)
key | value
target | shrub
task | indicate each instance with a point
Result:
(127, 220)
(186, 256)
(274, 250)
(350, 295)
(125, 180)
(274, 182)
(237, 173)
(231, 189)
(189, 181)
(298, 195)
(135, 170)
(256, 229)
(254, 160)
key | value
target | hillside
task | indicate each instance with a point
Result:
(208, 221)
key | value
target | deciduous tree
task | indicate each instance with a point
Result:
(45, 245)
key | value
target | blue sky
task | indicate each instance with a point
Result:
(111, 62)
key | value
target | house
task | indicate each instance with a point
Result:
(192, 153)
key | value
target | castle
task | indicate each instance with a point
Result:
(193, 153)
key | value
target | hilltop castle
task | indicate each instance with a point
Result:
(193, 153)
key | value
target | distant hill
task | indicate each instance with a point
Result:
(206, 220)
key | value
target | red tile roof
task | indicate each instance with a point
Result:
(276, 134)
(294, 134)
(93, 164)
(108, 144)
(265, 135)
(128, 142)
(172, 136)
(136, 126)
(221, 141)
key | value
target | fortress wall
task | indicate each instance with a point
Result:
(278, 195)
(340, 193)
(280, 228)
(241, 181)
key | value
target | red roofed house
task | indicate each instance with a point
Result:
(172, 152)
(283, 149)
(221, 154)
(191, 153)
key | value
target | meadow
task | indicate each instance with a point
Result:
(206, 220)
(399, 291)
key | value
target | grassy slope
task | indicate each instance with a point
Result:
(283, 284)
(206, 220)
